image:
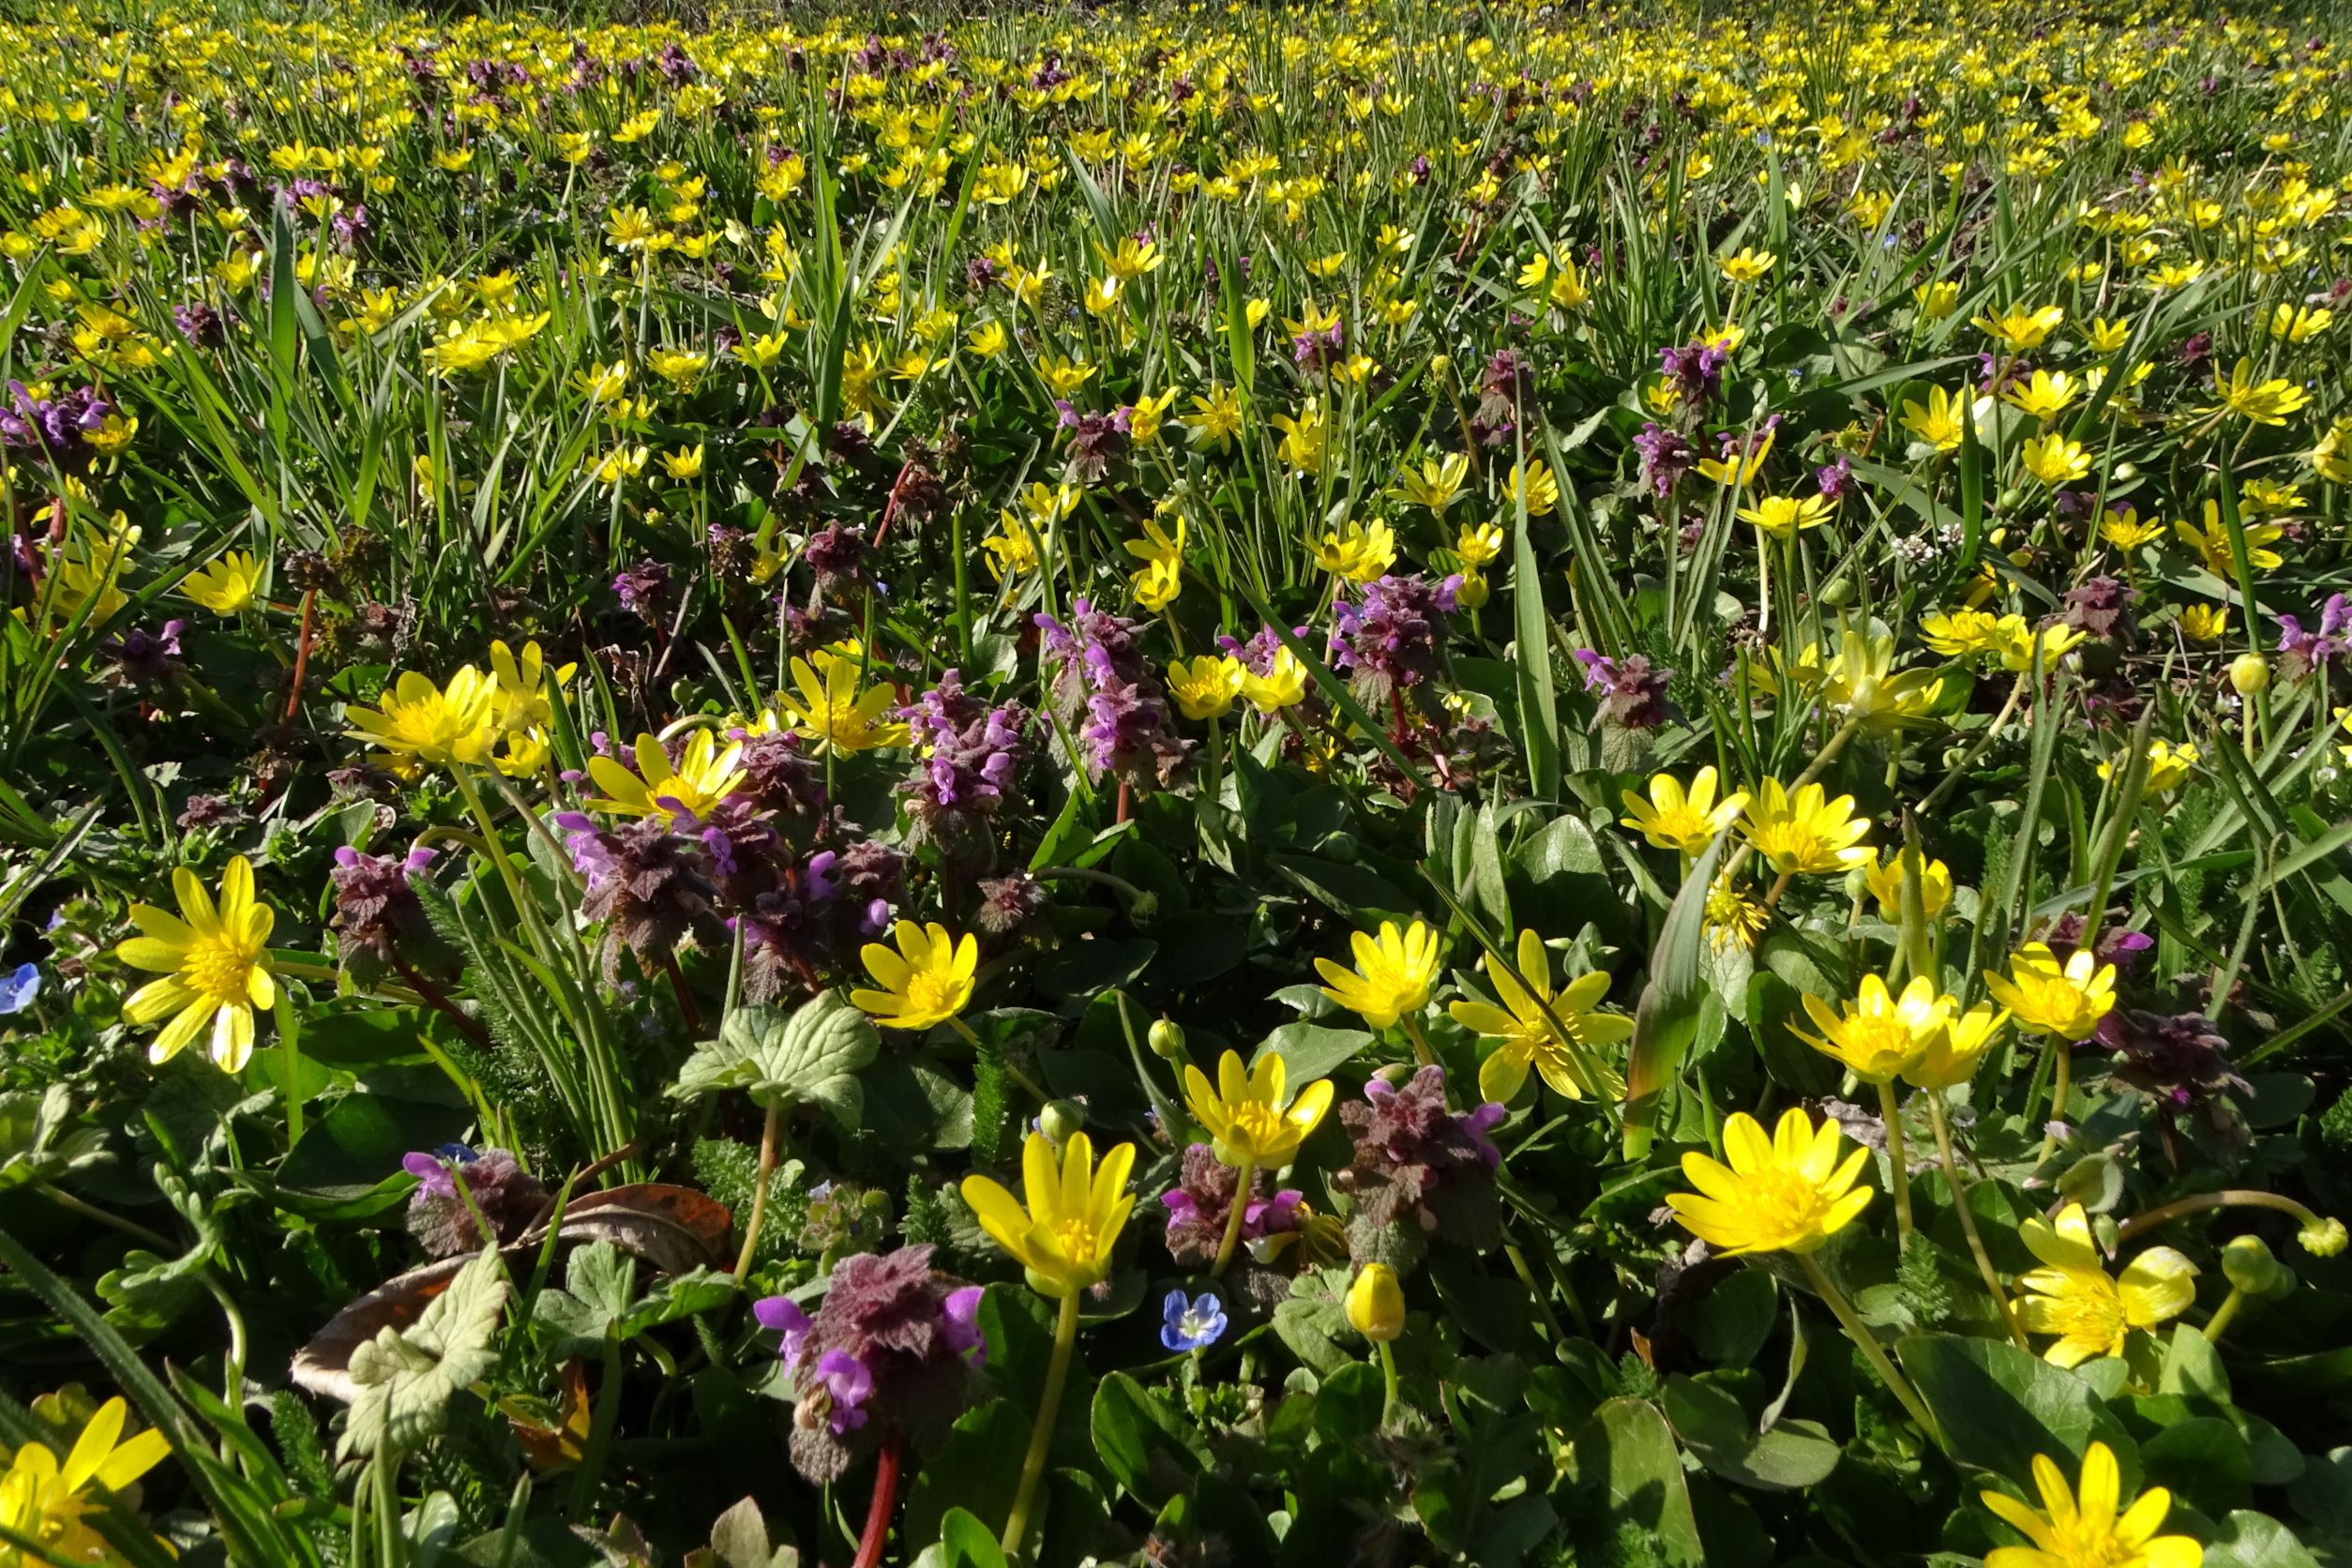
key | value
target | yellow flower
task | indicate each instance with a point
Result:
(924, 983)
(1216, 418)
(1534, 482)
(523, 753)
(1951, 1057)
(2300, 324)
(1302, 445)
(704, 776)
(684, 464)
(1784, 516)
(1963, 633)
(2065, 999)
(1732, 919)
(1436, 485)
(1737, 470)
(1470, 589)
(1807, 832)
(215, 964)
(525, 698)
(2086, 1530)
(2168, 766)
(435, 725)
(2054, 459)
(2204, 623)
(2020, 327)
(1246, 1114)
(2266, 403)
(1879, 1035)
(1863, 683)
(1206, 686)
(2045, 396)
(1376, 1303)
(1886, 884)
(45, 1503)
(1674, 818)
(832, 712)
(226, 585)
(1527, 1038)
(2121, 527)
(1936, 300)
(2019, 641)
(1064, 1239)
(1283, 684)
(1786, 1193)
(1392, 973)
(1356, 551)
(1748, 266)
(1942, 423)
(2072, 1297)
(1477, 544)
(2211, 543)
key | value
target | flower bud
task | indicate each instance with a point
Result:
(2323, 1238)
(1059, 1118)
(1838, 593)
(1167, 1039)
(1376, 1303)
(2250, 673)
(2251, 1267)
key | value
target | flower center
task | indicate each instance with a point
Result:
(1780, 1204)
(217, 966)
(932, 990)
(1076, 1237)
(1258, 1123)
(2090, 1311)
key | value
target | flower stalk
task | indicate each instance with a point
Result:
(1041, 1435)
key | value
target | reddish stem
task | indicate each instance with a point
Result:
(869, 1546)
(890, 505)
(438, 999)
(301, 656)
(1126, 799)
(687, 1009)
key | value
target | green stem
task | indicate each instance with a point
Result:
(1233, 1221)
(1967, 1219)
(759, 1193)
(1867, 1342)
(1041, 1435)
(133, 1228)
(1422, 1052)
(1388, 1380)
(2242, 1197)
(2219, 1323)
(1898, 1165)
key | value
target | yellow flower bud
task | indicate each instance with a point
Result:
(2250, 673)
(1376, 1303)
(2250, 1266)
(2322, 1239)
(1167, 1039)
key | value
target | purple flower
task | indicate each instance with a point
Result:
(1632, 691)
(1391, 640)
(959, 1322)
(781, 1315)
(1695, 370)
(972, 754)
(1189, 1324)
(2301, 652)
(1101, 671)
(849, 1385)
(1836, 480)
(1665, 457)
(642, 588)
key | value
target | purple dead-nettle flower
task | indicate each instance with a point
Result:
(1097, 440)
(781, 778)
(146, 659)
(200, 325)
(1665, 457)
(2117, 944)
(840, 559)
(969, 754)
(2301, 652)
(2180, 1064)
(379, 922)
(507, 1197)
(781, 1315)
(650, 886)
(2101, 606)
(1633, 692)
(59, 427)
(1835, 480)
(1390, 640)
(1695, 370)
(1420, 1171)
(1100, 671)
(1318, 350)
(891, 1351)
(1503, 386)
(642, 589)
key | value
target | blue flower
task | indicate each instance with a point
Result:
(1192, 1325)
(19, 990)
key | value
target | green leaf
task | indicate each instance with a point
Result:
(965, 1542)
(1349, 1403)
(1150, 1449)
(407, 1378)
(812, 1053)
(1666, 1020)
(1712, 1424)
(2192, 1368)
(1311, 1050)
(2251, 1540)
(2000, 1405)
(1627, 1454)
(977, 1470)
(1539, 705)
(1732, 1321)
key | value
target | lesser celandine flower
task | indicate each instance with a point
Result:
(2090, 1529)
(1788, 1192)
(1063, 1241)
(2168, 766)
(227, 584)
(1674, 818)
(1249, 1118)
(2019, 327)
(926, 983)
(1955, 1051)
(1376, 1309)
(1807, 832)
(1528, 1039)
(1784, 516)
(525, 691)
(214, 962)
(47, 1503)
(831, 712)
(1356, 551)
(1436, 484)
(434, 724)
(1392, 975)
(705, 774)
(1879, 1035)
(2054, 459)
(2072, 1296)
(1206, 686)
(2066, 1000)
(1886, 884)
(1283, 684)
